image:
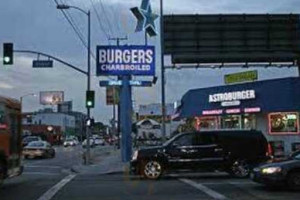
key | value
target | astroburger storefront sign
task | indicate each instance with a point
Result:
(126, 60)
(232, 96)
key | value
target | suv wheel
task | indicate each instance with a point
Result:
(294, 181)
(152, 169)
(240, 169)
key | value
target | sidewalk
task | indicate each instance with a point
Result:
(103, 163)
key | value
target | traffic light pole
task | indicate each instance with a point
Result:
(88, 88)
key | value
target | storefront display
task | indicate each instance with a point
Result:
(284, 123)
(249, 122)
(231, 122)
(207, 123)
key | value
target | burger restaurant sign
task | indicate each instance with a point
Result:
(125, 60)
(232, 98)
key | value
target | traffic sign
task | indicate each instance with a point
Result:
(42, 63)
(136, 83)
(140, 83)
(110, 83)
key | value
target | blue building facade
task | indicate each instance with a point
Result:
(271, 106)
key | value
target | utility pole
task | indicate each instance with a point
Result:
(163, 92)
(118, 40)
(88, 14)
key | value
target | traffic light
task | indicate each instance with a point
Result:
(8, 58)
(90, 99)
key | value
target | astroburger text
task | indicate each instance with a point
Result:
(232, 96)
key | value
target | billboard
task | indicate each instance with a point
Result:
(125, 60)
(51, 97)
(65, 107)
(211, 39)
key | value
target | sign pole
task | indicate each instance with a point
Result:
(126, 119)
(163, 91)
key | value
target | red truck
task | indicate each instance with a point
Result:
(10, 138)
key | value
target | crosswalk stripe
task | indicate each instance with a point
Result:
(52, 191)
(206, 190)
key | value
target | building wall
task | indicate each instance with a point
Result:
(56, 119)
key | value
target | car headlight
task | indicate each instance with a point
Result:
(135, 155)
(271, 170)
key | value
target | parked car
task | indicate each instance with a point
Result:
(235, 152)
(92, 143)
(99, 141)
(283, 172)
(40, 149)
(29, 139)
(70, 142)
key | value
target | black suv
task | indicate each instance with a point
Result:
(235, 152)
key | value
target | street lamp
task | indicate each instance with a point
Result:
(26, 95)
(65, 7)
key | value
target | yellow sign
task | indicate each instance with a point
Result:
(241, 77)
(112, 95)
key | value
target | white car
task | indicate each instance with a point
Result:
(69, 142)
(99, 141)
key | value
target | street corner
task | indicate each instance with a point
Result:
(103, 165)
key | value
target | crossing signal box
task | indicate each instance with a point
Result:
(8, 58)
(90, 99)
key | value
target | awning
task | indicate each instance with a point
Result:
(275, 95)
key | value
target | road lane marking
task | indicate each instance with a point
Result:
(53, 191)
(205, 189)
(42, 166)
(41, 173)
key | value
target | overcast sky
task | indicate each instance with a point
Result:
(38, 25)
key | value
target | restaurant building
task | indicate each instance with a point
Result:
(271, 106)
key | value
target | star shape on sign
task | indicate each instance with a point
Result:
(146, 18)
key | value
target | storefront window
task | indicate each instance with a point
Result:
(249, 122)
(231, 122)
(207, 123)
(284, 123)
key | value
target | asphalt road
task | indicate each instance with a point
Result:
(40, 174)
(49, 179)
(200, 187)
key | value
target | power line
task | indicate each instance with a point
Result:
(105, 15)
(75, 28)
(117, 19)
(99, 20)
(73, 25)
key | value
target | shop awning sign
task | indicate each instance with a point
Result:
(241, 77)
(231, 111)
(125, 60)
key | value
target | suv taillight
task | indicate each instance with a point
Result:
(270, 150)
